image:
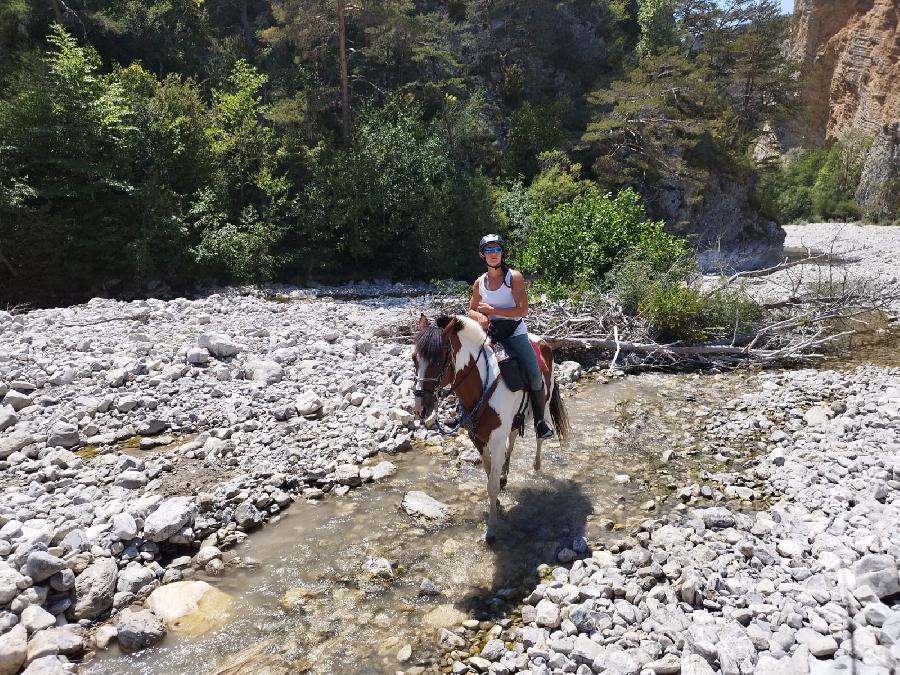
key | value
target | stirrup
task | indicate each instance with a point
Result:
(543, 430)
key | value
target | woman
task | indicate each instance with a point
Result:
(499, 305)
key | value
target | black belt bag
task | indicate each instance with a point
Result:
(501, 329)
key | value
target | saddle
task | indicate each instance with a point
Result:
(511, 370)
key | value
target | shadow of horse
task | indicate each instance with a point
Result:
(542, 522)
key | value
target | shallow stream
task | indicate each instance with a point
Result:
(311, 607)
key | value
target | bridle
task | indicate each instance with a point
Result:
(463, 418)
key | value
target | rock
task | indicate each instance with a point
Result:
(55, 641)
(879, 572)
(428, 587)
(383, 470)
(169, 518)
(547, 614)
(819, 645)
(694, 664)
(49, 665)
(717, 517)
(219, 345)
(449, 640)
(8, 418)
(64, 435)
(131, 480)
(13, 650)
(36, 618)
(667, 665)
(41, 565)
(405, 653)
(124, 526)
(586, 650)
(379, 567)
(104, 635)
(197, 356)
(207, 554)
(139, 629)
(11, 582)
(308, 404)
(816, 416)
(16, 400)
(247, 516)
(417, 503)
(190, 607)
(263, 373)
(94, 589)
(14, 442)
(493, 650)
(347, 474)
(134, 578)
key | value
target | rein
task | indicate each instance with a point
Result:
(463, 418)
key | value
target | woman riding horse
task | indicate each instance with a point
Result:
(499, 305)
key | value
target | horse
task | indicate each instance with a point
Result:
(453, 351)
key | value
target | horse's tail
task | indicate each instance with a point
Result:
(559, 415)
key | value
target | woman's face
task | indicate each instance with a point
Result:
(492, 254)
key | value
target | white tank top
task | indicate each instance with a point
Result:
(502, 298)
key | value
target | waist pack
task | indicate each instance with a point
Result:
(501, 329)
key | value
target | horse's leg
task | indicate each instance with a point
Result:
(539, 441)
(509, 450)
(497, 451)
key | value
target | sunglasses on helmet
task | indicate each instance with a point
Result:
(492, 249)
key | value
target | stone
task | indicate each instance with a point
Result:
(8, 419)
(308, 404)
(207, 554)
(64, 434)
(383, 469)
(94, 589)
(124, 526)
(816, 416)
(263, 373)
(197, 356)
(190, 607)
(379, 567)
(131, 480)
(347, 474)
(585, 650)
(104, 635)
(55, 641)
(137, 630)
(717, 517)
(169, 518)
(667, 665)
(547, 614)
(134, 578)
(35, 618)
(41, 565)
(13, 650)
(694, 664)
(14, 442)
(819, 645)
(418, 503)
(879, 572)
(11, 582)
(247, 516)
(219, 345)
(16, 400)
(493, 650)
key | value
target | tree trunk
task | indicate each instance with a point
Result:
(245, 22)
(345, 92)
(57, 13)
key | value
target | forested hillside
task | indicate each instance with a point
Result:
(189, 141)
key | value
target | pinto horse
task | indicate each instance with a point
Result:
(454, 352)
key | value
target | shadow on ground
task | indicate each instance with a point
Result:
(538, 524)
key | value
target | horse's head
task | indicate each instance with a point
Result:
(433, 357)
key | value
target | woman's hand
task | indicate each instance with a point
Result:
(482, 320)
(485, 308)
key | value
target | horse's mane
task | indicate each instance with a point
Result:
(429, 340)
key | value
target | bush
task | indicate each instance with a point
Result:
(577, 244)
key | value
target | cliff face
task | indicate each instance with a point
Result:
(850, 56)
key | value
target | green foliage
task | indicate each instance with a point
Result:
(657, 25)
(815, 184)
(576, 244)
(533, 129)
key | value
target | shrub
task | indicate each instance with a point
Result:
(576, 244)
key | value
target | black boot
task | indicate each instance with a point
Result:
(541, 428)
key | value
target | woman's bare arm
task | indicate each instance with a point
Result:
(520, 311)
(474, 303)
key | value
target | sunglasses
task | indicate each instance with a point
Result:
(492, 249)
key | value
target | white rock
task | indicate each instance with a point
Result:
(191, 607)
(418, 503)
(169, 517)
(308, 403)
(219, 345)
(13, 650)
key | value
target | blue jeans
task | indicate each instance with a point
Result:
(520, 345)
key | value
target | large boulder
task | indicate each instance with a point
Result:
(308, 404)
(14, 441)
(8, 418)
(94, 589)
(169, 517)
(65, 435)
(191, 607)
(879, 572)
(262, 372)
(11, 583)
(417, 503)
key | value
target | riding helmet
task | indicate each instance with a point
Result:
(491, 239)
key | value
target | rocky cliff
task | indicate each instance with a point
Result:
(850, 60)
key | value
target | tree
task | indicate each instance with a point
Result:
(657, 24)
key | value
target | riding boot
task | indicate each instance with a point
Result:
(541, 428)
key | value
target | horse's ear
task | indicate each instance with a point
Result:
(443, 321)
(423, 322)
(458, 324)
